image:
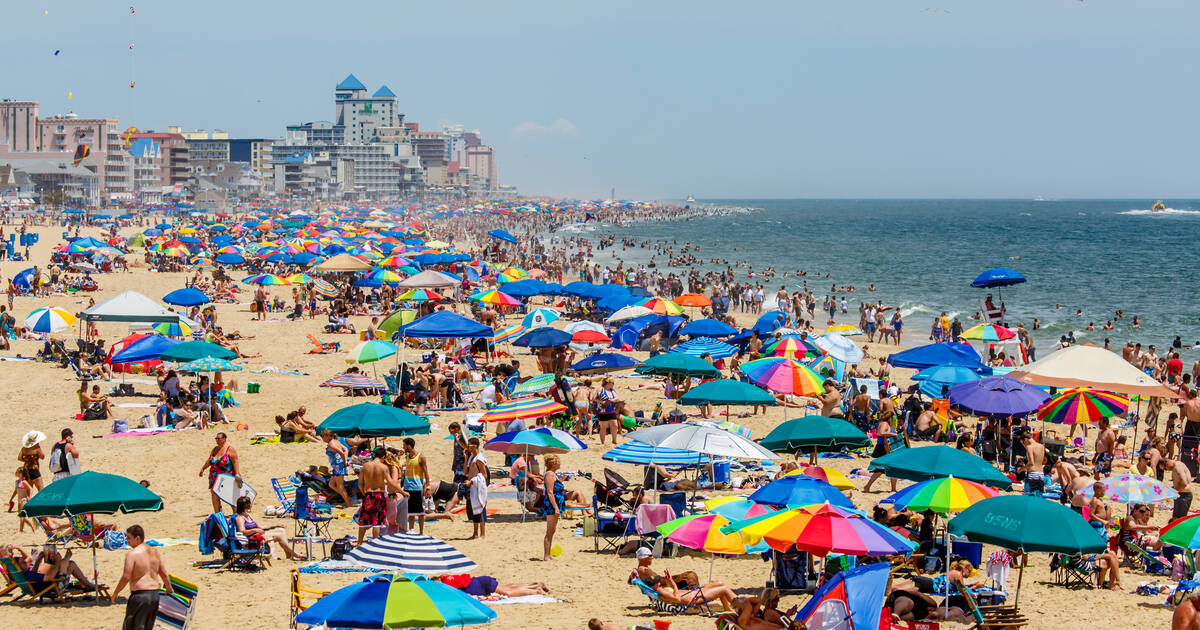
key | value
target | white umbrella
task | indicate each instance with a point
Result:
(575, 327)
(411, 553)
(540, 317)
(701, 438)
(628, 313)
(839, 348)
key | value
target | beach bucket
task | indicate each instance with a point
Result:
(589, 526)
(630, 422)
(662, 624)
(252, 388)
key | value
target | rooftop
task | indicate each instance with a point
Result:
(384, 92)
(351, 83)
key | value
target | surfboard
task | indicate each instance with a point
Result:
(228, 489)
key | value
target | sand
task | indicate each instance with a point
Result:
(38, 396)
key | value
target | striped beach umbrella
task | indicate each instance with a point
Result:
(300, 278)
(540, 317)
(988, 333)
(1082, 405)
(537, 441)
(396, 601)
(821, 530)
(942, 495)
(534, 385)
(172, 329)
(793, 348)
(209, 364)
(411, 553)
(385, 275)
(528, 407)
(394, 262)
(420, 295)
(700, 346)
(49, 320)
(662, 306)
(831, 476)
(496, 298)
(634, 452)
(266, 279)
(784, 376)
(1183, 531)
(324, 289)
(370, 351)
(353, 380)
(508, 333)
(845, 330)
(702, 532)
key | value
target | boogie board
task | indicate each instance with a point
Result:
(228, 489)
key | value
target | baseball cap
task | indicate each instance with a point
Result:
(643, 552)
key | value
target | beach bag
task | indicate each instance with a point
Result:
(95, 411)
(341, 547)
(120, 425)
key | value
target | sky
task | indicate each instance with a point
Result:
(663, 99)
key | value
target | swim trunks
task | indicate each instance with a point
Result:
(373, 511)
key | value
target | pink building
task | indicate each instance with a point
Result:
(481, 161)
(109, 157)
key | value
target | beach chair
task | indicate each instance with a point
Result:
(990, 617)
(35, 591)
(84, 532)
(1151, 563)
(235, 552)
(612, 528)
(285, 492)
(175, 610)
(309, 525)
(299, 595)
(618, 493)
(1075, 571)
(698, 605)
(323, 348)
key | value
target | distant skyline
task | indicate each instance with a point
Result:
(865, 99)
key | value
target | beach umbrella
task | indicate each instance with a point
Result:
(707, 328)
(537, 441)
(662, 306)
(208, 364)
(300, 279)
(627, 313)
(702, 532)
(942, 495)
(544, 337)
(1090, 366)
(693, 299)
(799, 490)
(936, 381)
(736, 508)
(727, 392)
(821, 530)
(229, 259)
(1183, 531)
(192, 350)
(420, 295)
(370, 351)
(784, 376)
(703, 438)
(990, 333)
(814, 432)
(1082, 405)
(700, 346)
(839, 347)
(503, 235)
(91, 492)
(373, 420)
(508, 333)
(845, 330)
(535, 385)
(635, 452)
(997, 277)
(186, 297)
(396, 601)
(1130, 488)
(793, 348)
(396, 320)
(394, 262)
(588, 336)
(268, 279)
(931, 462)
(677, 363)
(353, 380)
(172, 329)
(411, 553)
(603, 362)
(540, 317)
(49, 320)
(496, 298)
(831, 476)
(997, 396)
(522, 408)
(324, 289)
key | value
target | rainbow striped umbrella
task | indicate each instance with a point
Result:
(530, 407)
(175, 252)
(172, 329)
(703, 533)
(737, 508)
(508, 333)
(784, 376)
(845, 330)
(300, 278)
(394, 262)
(662, 307)
(420, 295)
(535, 385)
(266, 279)
(49, 320)
(1183, 531)
(942, 495)
(388, 600)
(537, 441)
(496, 298)
(385, 275)
(369, 351)
(821, 530)
(1082, 405)
(323, 288)
(793, 348)
(830, 476)
(988, 332)
(353, 380)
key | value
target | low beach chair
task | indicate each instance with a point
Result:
(1151, 563)
(698, 605)
(35, 591)
(1077, 571)
(323, 348)
(84, 531)
(991, 617)
(612, 528)
(310, 526)
(175, 610)
(285, 492)
(299, 595)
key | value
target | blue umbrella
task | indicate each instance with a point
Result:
(229, 259)
(998, 396)
(708, 328)
(706, 345)
(604, 362)
(186, 297)
(503, 236)
(800, 490)
(935, 380)
(634, 452)
(997, 277)
(945, 353)
(544, 337)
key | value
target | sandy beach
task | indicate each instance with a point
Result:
(40, 396)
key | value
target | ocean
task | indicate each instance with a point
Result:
(1093, 255)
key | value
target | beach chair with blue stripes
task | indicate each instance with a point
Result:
(285, 492)
(175, 610)
(697, 604)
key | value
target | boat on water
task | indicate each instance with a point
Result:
(690, 199)
(1158, 206)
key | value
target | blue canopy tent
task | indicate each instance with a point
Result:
(503, 235)
(444, 325)
(147, 348)
(186, 297)
(638, 328)
(945, 353)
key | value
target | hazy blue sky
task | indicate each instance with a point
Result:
(838, 98)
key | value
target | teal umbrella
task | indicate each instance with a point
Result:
(374, 420)
(192, 350)
(92, 493)
(931, 462)
(677, 363)
(814, 432)
(727, 392)
(210, 365)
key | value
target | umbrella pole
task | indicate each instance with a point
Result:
(521, 493)
(946, 600)
(1020, 575)
(1133, 447)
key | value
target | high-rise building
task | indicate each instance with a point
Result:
(18, 126)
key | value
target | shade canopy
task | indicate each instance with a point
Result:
(1090, 366)
(444, 325)
(91, 493)
(997, 396)
(1028, 523)
(374, 420)
(727, 392)
(343, 262)
(808, 432)
(931, 462)
(129, 306)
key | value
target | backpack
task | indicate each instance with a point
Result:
(341, 547)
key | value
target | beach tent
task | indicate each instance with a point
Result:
(945, 353)
(851, 600)
(641, 327)
(1090, 366)
(443, 325)
(429, 279)
(129, 306)
(343, 262)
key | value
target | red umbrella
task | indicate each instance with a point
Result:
(590, 336)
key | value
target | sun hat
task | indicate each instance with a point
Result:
(643, 552)
(31, 438)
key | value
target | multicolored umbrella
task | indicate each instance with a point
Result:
(540, 317)
(372, 350)
(324, 288)
(1082, 405)
(701, 346)
(1183, 531)
(508, 333)
(793, 348)
(535, 442)
(535, 385)
(988, 332)
(396, 601)
(353, 380)
(1132, 488)
(420, 295)
(821, 530)
(662, 307)
(831, 476)
(737, 508)
(172, 329)
(530, 407)
(394, 262)
(702, 532)
(385, 275)
(209, 364)
(942, 495)
(784, 376)
(496, 298)
(268, 279)
(300, 278)
(49, 320)
(845, 330)
(635, 452)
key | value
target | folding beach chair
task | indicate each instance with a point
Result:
(300, 595)
(1073, 571)
(310, 526)
(612, 528)
(84, 532)
(285, 492)
(235, 552)
(618, 493)
(697, 605)
(1151, 563)
(35, 591)
(323, 348)
(175, 610)
(990, 617)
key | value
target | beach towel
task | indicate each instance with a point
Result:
(497, 599)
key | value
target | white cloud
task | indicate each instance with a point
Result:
(561, 126)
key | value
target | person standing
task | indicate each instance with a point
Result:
(477, 483)
(144, 572)
(337, 454)
(416, 478)
(1181, 480)
(222, 460)
(606, 405)
(31, 456)
(553, 504)
(374, 483)
(62, 453)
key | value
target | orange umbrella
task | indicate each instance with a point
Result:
(692, 299)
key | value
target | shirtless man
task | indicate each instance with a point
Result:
(375, 481)
(1078, 484)
(1187, 611)
(1181, 480)
(831, 401)
(1106, 448)
(144, 572)
(1099, 511)
(928, 425)
(1035, 460)
(1191, 419)
(862, 407)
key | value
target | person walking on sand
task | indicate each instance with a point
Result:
(476, 483)
(222, 460)
(416, 478)
(553, 504)
(144, 572)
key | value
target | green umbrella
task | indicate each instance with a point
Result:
(677, 363)
(192, 350)
(374, 420)
(727, 392)
(394, 321)
(92, 493)
(931, 462)
(812, 432)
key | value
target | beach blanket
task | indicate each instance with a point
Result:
(171, 542)
(135, 405)
(497, 599)
(140, 432)
(16, 358)
(334, 566)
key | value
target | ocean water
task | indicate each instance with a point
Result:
(1094, 255)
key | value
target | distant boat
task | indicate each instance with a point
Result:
(1039, 198)
(690, 199)
(1158, 206)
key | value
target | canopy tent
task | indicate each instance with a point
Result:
(429, 279)
(343, 262)
(129, 306)
(445, 324)
(708, 328)
(945, 353)
(1090, 366)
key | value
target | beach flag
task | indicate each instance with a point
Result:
(175, 610)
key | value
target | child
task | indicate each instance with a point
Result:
(22, 493)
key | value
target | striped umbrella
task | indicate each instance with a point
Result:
(369, 351)
(210, 364)
(420, 295)
(411, 553)
(634, 452)
(324, 289)
(508, 333)
(1082, 405)
(529, 407)
(534, 385)
(394, 262)
(821, 530)
(300, 278)
(1183, 531)
(784, 376)
(831, 476)
(793, 348)
(537, 441)
(662, 306)
(496, 298)
(267, 279)
(385, 275)
(737, 508)
(172, 329)
(988, 332)
(942, 495)
(845, 330)
(49, 320)
(396, 601)
(700, 346)
(353, 380)
(702, 532)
